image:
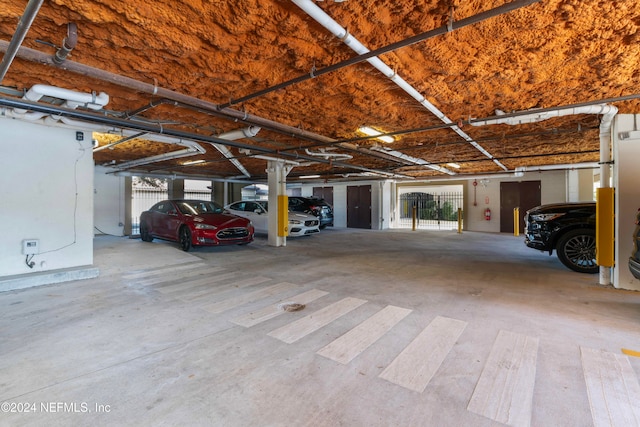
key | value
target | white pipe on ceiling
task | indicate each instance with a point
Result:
(248, 132)
(608, 113)
(336, 29)
(411, 159)
(328, 155)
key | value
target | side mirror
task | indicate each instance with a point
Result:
(258, 211)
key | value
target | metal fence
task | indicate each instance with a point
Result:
(433, 211)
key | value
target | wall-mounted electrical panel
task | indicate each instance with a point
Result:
(30, 246)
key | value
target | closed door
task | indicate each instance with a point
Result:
(359, 206)
(325, 193)
(524, 195)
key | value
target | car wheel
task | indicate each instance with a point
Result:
(185, 239)
(144, 233)
(576, 249)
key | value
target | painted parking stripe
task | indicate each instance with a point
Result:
(348, 346)
(236, 301)
(269, 312)
(419, 361)
(173, 276)
(612, 387)
(302, 327)
(178, 285)
(167, 269)
(504, 392)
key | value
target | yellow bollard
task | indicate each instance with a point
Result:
(459, 220)
(414, 213)
(516, 221)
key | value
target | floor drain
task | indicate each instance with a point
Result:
(291, 306)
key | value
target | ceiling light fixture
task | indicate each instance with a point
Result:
(373, 132)
(193, 162)
(454, 165)
(309, 176)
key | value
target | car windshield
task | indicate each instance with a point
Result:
(198, 207)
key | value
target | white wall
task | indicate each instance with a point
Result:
(109, 203)
(626, 175)
(46, 194)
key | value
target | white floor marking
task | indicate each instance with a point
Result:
(613, 389)
(180, 285)
(302, 327)
(175, 276)
(419, 361)
(348, 346)
(504, 392)
(167, 269)
(229, 303)
(269, 312)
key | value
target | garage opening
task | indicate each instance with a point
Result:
(436, 208)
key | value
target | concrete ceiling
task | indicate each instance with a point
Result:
(195, 69)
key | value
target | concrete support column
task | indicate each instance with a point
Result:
(175, 188)
(277, 172)
(233, 191)
(128, 201)
(219, 193)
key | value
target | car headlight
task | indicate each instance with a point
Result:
(294, 221)
(205, 227)
(545, 217)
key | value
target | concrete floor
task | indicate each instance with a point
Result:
(481, 331)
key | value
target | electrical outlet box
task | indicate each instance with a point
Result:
(30, 246)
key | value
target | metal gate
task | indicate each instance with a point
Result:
(433, 211)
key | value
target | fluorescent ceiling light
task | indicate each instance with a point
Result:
(309, 176)
(373, 132)
(193, 162)
(454, 165)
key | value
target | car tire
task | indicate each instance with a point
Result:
(144, 233)
(185, 238)
(576, 249)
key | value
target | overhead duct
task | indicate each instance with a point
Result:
(194, 148)
(341, 33)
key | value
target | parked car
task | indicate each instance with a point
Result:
(194, 223)
(315, 206)
(300, 224)
(634, 260)
(569, 228)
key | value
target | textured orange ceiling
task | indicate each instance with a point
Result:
(548, 54)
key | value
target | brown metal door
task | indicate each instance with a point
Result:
(359, 206)
(325, 193)
(524, 195)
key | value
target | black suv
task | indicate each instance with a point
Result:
(315, 206)
(634, 260)
(569, 228)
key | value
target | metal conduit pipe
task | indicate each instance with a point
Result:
(608, 113)
(413, 160)
(452, 26)
(96, 118)
(24, 24)
(68, 44)
(181, 100)
(341, 33)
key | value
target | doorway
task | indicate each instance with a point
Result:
(524, 195)
(359, 206)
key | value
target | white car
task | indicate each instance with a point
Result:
(300, 224)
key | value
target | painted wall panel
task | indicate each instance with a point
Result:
(47, 194)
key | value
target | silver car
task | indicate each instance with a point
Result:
(300, 224)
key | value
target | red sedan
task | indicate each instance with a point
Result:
(194, 223)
